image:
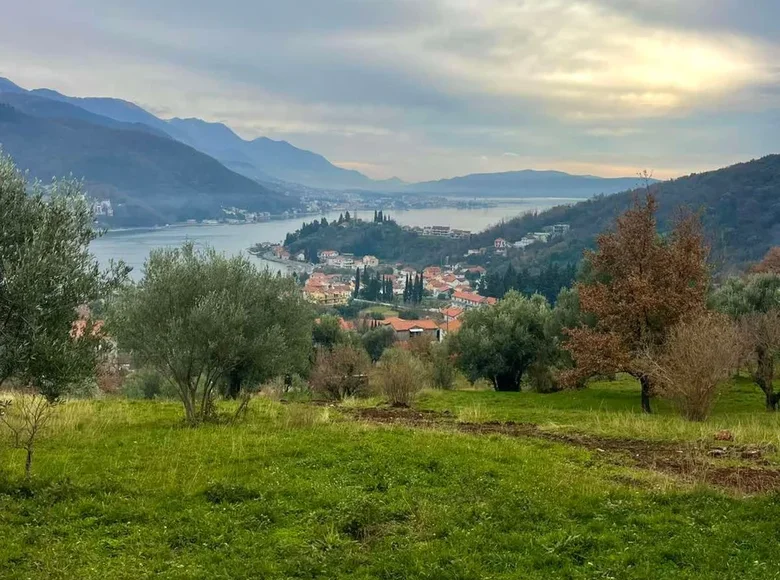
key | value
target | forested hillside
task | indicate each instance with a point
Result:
(739, 205)
(387, 241)
(152, 179)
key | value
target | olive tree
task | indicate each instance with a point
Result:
(46, 274)
(201, 319)
(754, 301)
(500, 343)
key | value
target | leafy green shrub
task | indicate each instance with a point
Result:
(442, 366)
(148, 384)
(377, 340)
(400, 376)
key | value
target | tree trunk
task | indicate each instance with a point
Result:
(764, 377)
(506, 383)
(189, 408)
(28, 462)
(644, 380)
(234, 385)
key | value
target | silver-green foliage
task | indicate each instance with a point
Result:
(502, 342)
(46, 273)
(202, 319)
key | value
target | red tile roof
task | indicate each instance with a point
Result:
(401, 325)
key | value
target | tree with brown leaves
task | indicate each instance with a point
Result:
(770, 264)
(642, 285)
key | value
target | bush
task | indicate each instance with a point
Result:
(143, 384)
(377, 340)
(442, 366)
(409, 315)
(697, 357)
(401, 376)
(340, 373)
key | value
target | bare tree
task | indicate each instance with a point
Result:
(26, 416)
(761, 335)
(340, 373)
(697, 357)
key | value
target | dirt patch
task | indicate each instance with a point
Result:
(747, 471)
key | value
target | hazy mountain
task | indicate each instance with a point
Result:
(8, 86)
(38, 106)
(264, 158)
(116, 109)
(527, 183)
(157, 179)
(739, 205)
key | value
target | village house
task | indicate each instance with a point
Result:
(452, 313)
(405, 330)
(500, 244)
(370, 261)
(325, 255)
(470, 300)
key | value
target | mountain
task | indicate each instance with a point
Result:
(739, 205)
(38, 106)
(116, 109)
(9, 87)
(527, 183)
(151, 178)
(264, 158)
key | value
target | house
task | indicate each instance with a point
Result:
(500, 244)
(557, 230)
(525, 242)
(300, 256)
(441, 231)
(325, 255)
(407, 329)
(449, 326)
(452, 313)
(370, 261)
(470, 300)
(431, 272)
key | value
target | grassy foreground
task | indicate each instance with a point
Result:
(122, 490)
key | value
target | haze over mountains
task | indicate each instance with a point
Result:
(161, 170)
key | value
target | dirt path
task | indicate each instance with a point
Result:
(734, 467)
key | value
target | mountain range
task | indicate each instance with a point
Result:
(520, 183)
(162, 170)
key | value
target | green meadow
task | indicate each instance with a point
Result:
(122, 489)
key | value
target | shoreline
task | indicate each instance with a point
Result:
(306, 267)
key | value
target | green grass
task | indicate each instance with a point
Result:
(385, 311)
(122, 490)
(611, 408)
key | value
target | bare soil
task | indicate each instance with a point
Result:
(739, 468)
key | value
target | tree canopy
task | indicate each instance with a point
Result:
(641, 285)
(46, 274)
(501, 343)
(199, 318)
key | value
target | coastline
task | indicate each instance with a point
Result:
(292, 265)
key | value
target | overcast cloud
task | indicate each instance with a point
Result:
(427, 89)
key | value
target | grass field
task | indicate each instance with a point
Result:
(123, 490)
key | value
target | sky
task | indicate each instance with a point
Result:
(428, 89)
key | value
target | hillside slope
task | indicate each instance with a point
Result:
(739, 205)
(156, 179)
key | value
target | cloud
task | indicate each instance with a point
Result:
(427, 89)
